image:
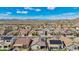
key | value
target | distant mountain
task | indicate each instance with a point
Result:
(77, 19)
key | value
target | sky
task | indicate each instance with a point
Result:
(42, 13)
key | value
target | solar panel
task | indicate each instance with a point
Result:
(55, 42)
(6, 38)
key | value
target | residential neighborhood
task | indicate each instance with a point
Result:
(58, 35)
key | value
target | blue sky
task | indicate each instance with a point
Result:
(44, 13)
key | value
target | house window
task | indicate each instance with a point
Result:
(60, 47)
(78, 47)
(8, 45)
(19, 46)
(25, 34)
(37, 47)
(45, 32)
(8, 41)
(5, 46)
(53, 47)
(0, 46)
(24, 46)
(42, 47)
(75, 48)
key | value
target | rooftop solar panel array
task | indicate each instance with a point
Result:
(55, 42)
(6, 38)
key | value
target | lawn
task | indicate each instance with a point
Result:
(3, 50)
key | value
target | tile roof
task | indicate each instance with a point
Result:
(35, 41)
(1, 31)
(41, 43)
(1, 42)
(23, 31)
(66, 40)
(38, 42)
(22, 41)
(76, 39)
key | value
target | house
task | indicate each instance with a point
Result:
(6, 42)
(22, 43)
(1, 44)
(14, 33)
(2, 30)
(38, 44)
(67, 41)
(76, 44)
(45, 31)
(23, 32)
(40, 32)
(33, 33)
(28, 27)
(77, 28)
(55, 44)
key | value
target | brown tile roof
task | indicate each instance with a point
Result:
(35, 41)
(66, 40)
(76, 39)
(22, 41)
(1, 42)
(38, 42)
(1, 31)
(41, 43)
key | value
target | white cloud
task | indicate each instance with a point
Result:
(21, 12)
(18, 11)
(37, 10)
(5, 14)
(67, 14)
(24, 12)
(28, 8)
(33, 9)
(8, 13)
(50, 8)
(70, 15)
